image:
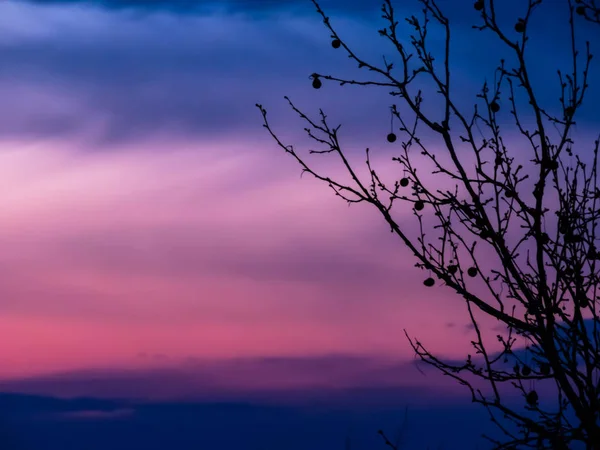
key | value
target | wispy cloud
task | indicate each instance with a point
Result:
(144, 209)
(95, 414)
(202, 6)
(339, 378)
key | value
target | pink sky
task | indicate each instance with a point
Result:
(144, 211)
(211, 254)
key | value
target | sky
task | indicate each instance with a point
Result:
(159, 248)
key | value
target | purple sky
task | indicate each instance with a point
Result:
(151, 230)
(145, 210)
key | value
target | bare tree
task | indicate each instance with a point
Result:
(513, 233)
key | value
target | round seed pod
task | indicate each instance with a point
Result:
(520, 26)
(582, 301)
(532, 398)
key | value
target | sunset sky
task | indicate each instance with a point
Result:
(157, 245)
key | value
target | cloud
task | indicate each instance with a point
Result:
(156, 251)
(120, 77)
(95, 414)
(116, 78)
(145, 209)
(305, 380)
(201, 6)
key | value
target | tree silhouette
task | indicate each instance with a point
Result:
(590, 9)
(513, 229)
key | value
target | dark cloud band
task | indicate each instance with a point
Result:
(199, 6)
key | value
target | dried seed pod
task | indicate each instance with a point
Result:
(429, 282)
(520, 26)
(404, 182)
(317, 83)
(582, 301)
(494, 106)
(391, 137)
(336, 43)
(419, 205)
(526, 370)
(452, 268)
(532, 398)
(472, 271)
